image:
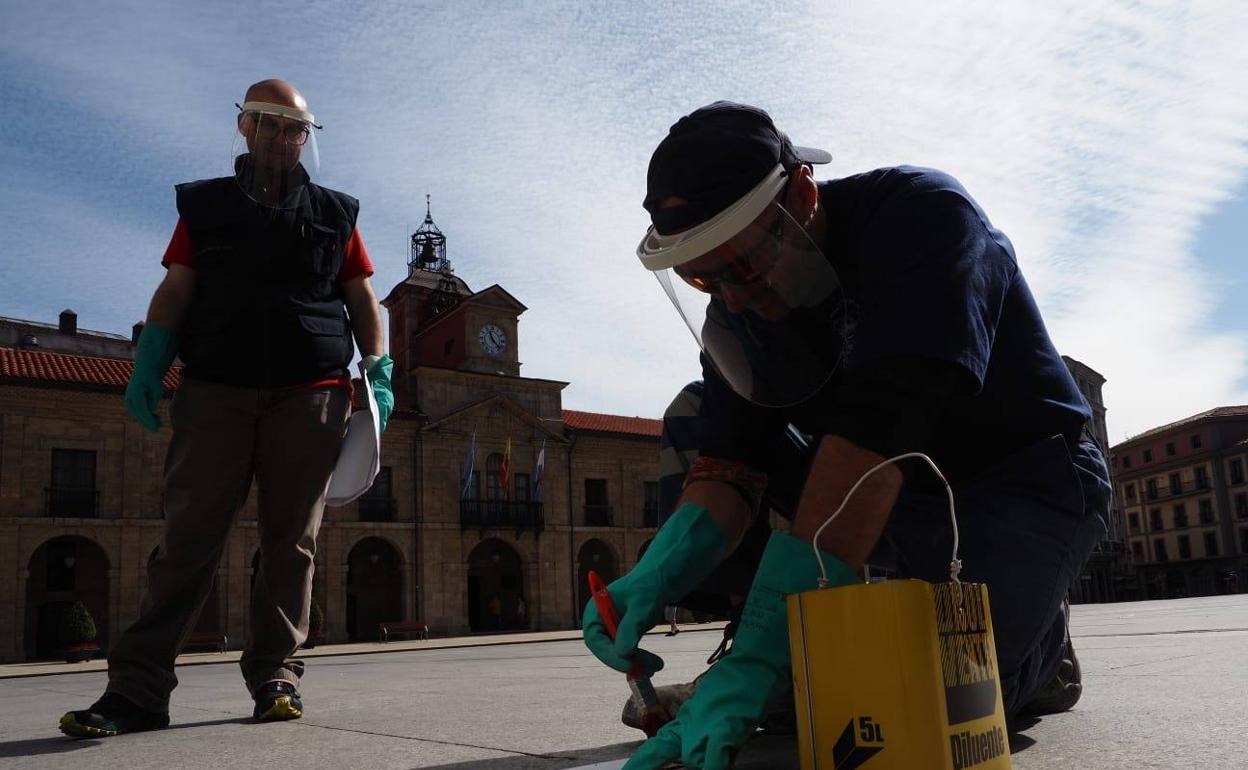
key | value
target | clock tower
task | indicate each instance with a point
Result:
(438, 323)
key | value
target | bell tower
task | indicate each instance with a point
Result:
(437, 322)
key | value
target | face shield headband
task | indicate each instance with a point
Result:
(275, 153)
(761, 299)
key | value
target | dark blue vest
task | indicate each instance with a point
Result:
(268, 310)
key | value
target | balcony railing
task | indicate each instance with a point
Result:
(78, 502)
(377, 508)
(519, 515)
(1182, 488)
(597, 515)
(650, 516)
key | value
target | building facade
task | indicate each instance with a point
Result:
(493, 502)
(1184, 493)
(1109, 574)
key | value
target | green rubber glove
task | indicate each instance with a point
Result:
(156, 350)
(379, 375)
(732, 697)
(687, 548)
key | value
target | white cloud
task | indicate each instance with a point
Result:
(1097, 135)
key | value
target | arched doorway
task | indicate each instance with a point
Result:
(596, 556)
(374, 587)
(64, 570)
(496, 600)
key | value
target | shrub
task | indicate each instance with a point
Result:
(316, 619)
(77, 625)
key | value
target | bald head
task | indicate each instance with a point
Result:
(276, 91)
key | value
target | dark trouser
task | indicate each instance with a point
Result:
(1027, 525)
(223, 437)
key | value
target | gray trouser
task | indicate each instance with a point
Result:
(1027, 525)
(223, 437)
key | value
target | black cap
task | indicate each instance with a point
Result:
(712, 157)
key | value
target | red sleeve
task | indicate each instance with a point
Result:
(355, 261)
(179, 250)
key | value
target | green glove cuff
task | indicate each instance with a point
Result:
(157, 348)
(155, 352)
(379, 375)
(688, 547)
(381, 369)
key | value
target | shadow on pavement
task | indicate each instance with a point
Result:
(1016, 727)
(766, 752)
(60, 744)
(33, 747)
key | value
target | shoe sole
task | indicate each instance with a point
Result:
(281, 710)
(74, 729)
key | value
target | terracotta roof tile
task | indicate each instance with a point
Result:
(611, 423)
(48, 367)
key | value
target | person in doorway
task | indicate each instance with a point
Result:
(267, 282)
(495, 610)
(669, 614)
(842, 324)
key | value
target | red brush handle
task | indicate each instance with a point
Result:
(606, 607)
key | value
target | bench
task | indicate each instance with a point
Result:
(211, 639)
(405, 627)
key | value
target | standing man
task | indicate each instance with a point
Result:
(842, 324)
(267, 282)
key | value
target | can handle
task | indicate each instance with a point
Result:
(955, 564)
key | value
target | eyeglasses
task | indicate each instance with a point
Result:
(743, 268)
(290, 133)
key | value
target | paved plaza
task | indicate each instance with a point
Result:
(1166, 686)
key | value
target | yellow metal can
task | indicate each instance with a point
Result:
(897, 675)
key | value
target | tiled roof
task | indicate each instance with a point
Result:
(1211, 414)
(46, 367)
(611, 423)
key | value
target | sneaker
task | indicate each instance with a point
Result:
(277, 702)
(113, 714)
(1063, 690)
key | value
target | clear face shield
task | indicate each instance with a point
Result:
(761, 299)
(275, 154)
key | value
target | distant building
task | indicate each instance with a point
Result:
(66, 337)
(1107, 577)
(1184, 491)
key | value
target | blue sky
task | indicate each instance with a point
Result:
(1108, 139)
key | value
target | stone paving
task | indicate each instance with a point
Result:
(1166, 686)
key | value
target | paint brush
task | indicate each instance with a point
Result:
(645, 699)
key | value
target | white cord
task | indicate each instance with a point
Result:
(955, 564)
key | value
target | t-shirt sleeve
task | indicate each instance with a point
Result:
(934, 277)
(355, 260)
(178, 252)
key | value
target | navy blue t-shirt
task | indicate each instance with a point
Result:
(928, 278)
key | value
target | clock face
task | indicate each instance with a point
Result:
(493, 340)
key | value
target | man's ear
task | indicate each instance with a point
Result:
(802, 194)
